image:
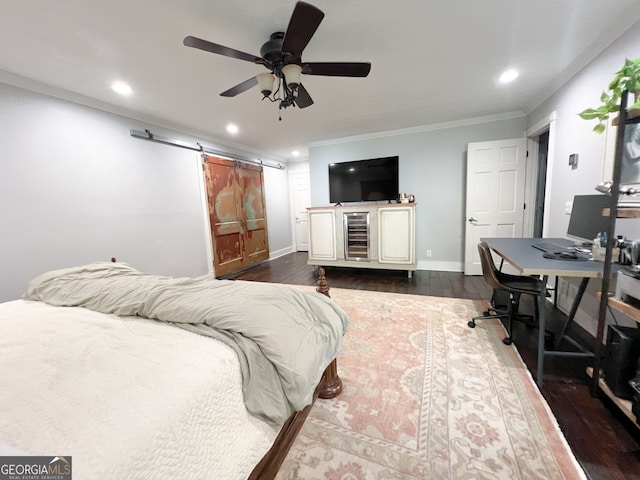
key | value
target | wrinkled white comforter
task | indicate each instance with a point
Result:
(284, 337)
(127, 399)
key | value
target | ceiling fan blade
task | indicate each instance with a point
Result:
(304, 22)
(241, 87)
(338, 69)
(220, 49)
(303, 99)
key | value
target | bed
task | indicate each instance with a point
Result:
(142, 376)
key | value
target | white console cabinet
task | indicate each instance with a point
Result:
(363, 236)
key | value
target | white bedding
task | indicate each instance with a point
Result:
(134, 399)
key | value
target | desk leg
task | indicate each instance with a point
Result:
(574, 309)
(541, 328)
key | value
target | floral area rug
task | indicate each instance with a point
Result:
(426, 397)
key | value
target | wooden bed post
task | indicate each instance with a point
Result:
(331, 383)
(330, 386)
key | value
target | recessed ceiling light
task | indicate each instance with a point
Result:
(231, 128)
(295, 153)
(509, 75)
(121, 88)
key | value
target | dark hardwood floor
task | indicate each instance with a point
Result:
(605, 441)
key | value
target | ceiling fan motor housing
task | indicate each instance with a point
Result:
(271, 51)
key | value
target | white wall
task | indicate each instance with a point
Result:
(432, 166)
(75, 187)
(574, 135)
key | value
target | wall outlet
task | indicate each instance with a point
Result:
(428, 253)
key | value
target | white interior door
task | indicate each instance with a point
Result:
(301, 199)
(495, 194)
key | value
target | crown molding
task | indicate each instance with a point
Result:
(423, 128)
(67, 95)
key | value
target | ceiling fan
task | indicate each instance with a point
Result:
(281, 55)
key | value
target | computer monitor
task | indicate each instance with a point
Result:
(586, 219)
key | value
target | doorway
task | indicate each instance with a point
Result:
(299, 184)
(540, 161)
(541, 181)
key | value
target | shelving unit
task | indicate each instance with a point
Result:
(613, 212)
(621, 403)
(624, 212)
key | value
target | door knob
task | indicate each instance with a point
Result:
(471, 219)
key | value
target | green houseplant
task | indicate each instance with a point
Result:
(627, 78)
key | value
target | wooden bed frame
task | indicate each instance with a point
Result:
(330, 386)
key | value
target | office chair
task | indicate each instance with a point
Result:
(511, 285)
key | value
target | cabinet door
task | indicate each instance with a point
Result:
(396, 235)
(322, 235)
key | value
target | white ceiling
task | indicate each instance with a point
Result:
(432, 60)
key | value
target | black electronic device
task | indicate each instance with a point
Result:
(621, 357)
(634, 383)
(586, 219)
(364, 180)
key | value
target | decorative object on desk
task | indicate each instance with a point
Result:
(605, 187)
(403, 198)
(627, 78)
(598, 253)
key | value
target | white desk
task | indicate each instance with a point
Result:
(527, 260)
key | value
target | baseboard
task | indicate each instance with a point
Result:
(440, 266)
(281, 253)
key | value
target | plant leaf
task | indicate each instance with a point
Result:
(589, 114)
(599, 128)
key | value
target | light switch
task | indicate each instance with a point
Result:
(573, 161)
(568, 206)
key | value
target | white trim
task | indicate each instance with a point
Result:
(530, 187)
(282, 252)
(208, 239)
(424, 128)
(549, 181)
(56, 92)
(535, 130)
(440, 266)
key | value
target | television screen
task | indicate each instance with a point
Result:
(364, 180)
(586, 219)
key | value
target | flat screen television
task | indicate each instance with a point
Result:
(364, 180)
(586, 219)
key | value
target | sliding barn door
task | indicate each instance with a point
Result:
(256, 243)
(236, 204)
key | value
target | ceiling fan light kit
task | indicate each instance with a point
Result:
(281, 55)
(265, 83)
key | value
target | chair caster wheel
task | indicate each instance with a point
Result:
(471, 324)
(507, 341)
(486, 313)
